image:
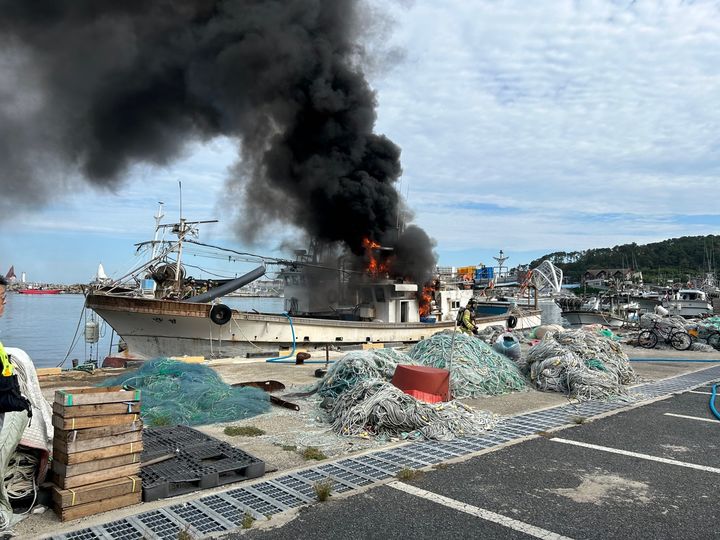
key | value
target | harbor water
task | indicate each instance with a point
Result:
(51, 328)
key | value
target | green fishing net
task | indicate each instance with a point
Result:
(359, 366)
(176, 393)
(476, 369)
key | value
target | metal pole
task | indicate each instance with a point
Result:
(181, 237)
(452, 347)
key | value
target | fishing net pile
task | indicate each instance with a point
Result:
(707, 330)
(673, 323)
(374, 407)
(489, 334)
(361, 401)
(359, 366)
(711, 323)
(581, 364)
(476, 369)
(702, 330)
(178, 393)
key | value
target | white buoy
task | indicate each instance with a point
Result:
(92, 332)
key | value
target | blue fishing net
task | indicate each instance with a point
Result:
(190, 394)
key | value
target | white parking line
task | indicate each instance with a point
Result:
(636, 455)
(487, 515)
(699, 392)
(691, 417)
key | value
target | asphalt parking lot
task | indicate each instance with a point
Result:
(647, 472)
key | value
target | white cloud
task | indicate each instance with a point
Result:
(561, 109)
(587, 123)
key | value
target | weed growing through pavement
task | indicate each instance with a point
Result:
(579, 420)
(247, 520)
(312, 452)
(184, 534)
(323, 489)
(408, 474)
(289, 447)
(244, 431)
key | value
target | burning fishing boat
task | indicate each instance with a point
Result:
(324, 305)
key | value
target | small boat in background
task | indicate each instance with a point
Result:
(688, 303)
(39, 290)
(613, 311)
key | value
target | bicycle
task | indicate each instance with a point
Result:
(679, 339)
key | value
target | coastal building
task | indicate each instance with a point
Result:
(598, 277)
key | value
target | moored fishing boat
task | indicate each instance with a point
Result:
(688, 303)
(613, 311)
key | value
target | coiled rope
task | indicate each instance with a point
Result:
(20, 477)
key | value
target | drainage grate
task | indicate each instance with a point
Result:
(122, 530)
(228, 508)
(395, 458)
(223, 511)
(346, 476)
(84, 534)
(160, 524)
(197, 518)
(301, 487)
(365, 469)
(314, 475)
(276, 493)
(255, 501)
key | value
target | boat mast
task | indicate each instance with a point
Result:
(158, 217)
(500, 260)
(182, 228)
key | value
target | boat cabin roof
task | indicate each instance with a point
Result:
(692, 293)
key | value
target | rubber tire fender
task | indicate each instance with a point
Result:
(512, 321)
(220, 314)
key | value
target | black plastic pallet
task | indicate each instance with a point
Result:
(199, 462)
(159, 441)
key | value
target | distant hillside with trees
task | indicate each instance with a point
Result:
(675, 259)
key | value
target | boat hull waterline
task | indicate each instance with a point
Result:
(152, 328)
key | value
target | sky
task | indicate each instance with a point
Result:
(530, 127)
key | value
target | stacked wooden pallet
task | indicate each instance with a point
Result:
(96, 450)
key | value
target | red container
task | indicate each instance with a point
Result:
(424, 379)
(424, 396)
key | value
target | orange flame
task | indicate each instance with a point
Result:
(425, 298)
(374, 267)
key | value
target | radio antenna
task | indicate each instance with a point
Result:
(180, 189)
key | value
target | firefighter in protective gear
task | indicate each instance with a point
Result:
(7, 367)
(467, 323)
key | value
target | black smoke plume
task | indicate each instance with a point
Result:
(96, 86)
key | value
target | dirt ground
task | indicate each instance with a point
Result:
(287, 433)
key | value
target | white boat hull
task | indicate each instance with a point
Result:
(688, 308)
(577, 318)
(153, 328)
